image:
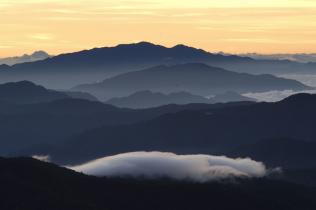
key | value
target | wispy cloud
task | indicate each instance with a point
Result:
(41, 36)
(5, 46)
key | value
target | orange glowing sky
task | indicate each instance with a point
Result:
(235, 26)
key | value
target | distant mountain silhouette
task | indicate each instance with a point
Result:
(196, 78)
(146, 99)
(26, 123)
(212, 131)
(87, 66)
(31, 184)
(230, 96)
(80, 95)
(36, 56)
(27, 92)
(299, 57)
(4, 66)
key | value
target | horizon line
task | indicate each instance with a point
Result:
(157, 44)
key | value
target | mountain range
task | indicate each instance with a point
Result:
(299, 57)
(79, 130)
(35, 56)
(87, 66)
(196, 78)
(31, 115)
(143, 126)
(286, 152)
(219, 130)
(25, 92)
(230, 96)
(147, 99)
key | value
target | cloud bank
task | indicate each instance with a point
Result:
(275, 95)
(307, 79)
(200, 168)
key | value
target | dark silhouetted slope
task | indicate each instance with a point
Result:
(80, 95)
(285, 152)
(24, 126)
(146, 99)
(27, 92)
(31, 184)
(213, 131)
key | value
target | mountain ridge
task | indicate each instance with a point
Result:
(35, 56)
(88, 66)
(147, 99)
(196, 78)
(27, 92)
(199, 131)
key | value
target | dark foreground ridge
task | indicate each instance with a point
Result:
(31, 184)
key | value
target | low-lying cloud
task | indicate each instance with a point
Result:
(307, 79)
(275, 95)
(200, 168)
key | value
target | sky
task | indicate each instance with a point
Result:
(232, 26)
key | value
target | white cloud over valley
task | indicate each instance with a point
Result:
(200, 168)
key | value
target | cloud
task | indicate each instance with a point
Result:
(275, 95)
(200, 168)
(44, 158)
(307, 79)
(41, 36)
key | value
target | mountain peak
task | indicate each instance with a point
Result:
(23, 83)
(304, 98)
(144, 43)
(26, 92)
(40, 54)
(184, 47)
(25, 58)
(140, 44)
